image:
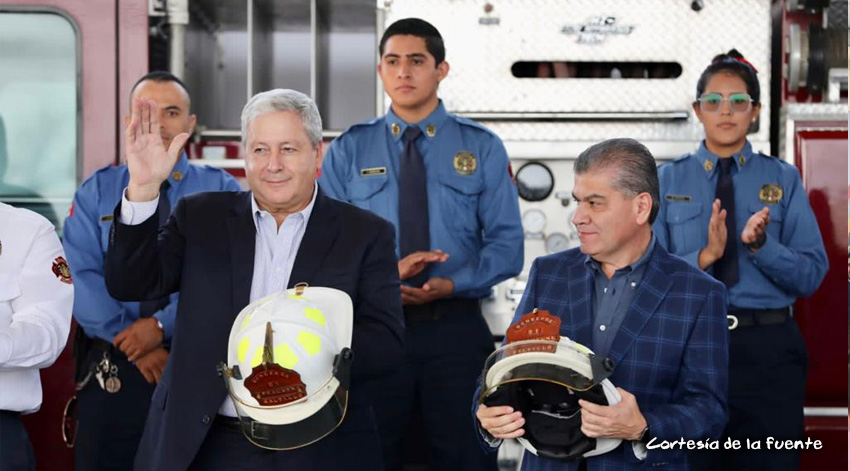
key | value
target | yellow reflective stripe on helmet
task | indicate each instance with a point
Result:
(295, 296)
(310, 341)
(284, 356)
(258, 357)
(242, 350)
(314, 315)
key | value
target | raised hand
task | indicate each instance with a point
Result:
(753, 234)
(148, 162)
(717, 235)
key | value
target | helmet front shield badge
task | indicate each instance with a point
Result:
(290, 366)
(543, 375)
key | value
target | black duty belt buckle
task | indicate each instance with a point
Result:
(733, 321)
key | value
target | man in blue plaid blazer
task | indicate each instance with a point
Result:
(660, 320)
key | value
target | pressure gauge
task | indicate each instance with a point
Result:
(534, 221)
(534, 181)
(557, 242)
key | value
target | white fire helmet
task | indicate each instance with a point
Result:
(288, 366)
(544, 379)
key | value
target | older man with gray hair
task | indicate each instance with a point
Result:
(224, 250)
(660, 321)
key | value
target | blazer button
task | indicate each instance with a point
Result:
(206, 420)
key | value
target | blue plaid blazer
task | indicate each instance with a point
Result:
(671, 351)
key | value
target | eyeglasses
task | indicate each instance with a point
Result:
(738, 102)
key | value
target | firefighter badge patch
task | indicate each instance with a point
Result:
(62, 271)
(465, 162)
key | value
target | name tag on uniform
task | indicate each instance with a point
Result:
(678, 197)
(368, 172)
(107, 218)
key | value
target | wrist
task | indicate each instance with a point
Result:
(755, 245)
(142, 193)
(159, 328)
(706, 258)
(402, 271)
(643, 435)
(641, 429)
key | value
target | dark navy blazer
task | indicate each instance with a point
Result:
(206, 251)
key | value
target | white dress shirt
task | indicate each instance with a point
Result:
(36, 299)
(274, 249)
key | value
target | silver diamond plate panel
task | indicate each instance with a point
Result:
(837, 15)
(481, 56)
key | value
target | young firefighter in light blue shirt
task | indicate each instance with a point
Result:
(443, 181)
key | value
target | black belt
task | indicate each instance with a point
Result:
(228, 422)
(739, 318)
(414, 313)
(100, 344)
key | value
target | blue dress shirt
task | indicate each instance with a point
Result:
(276, 248)
(612, 298)
(792, 263)
(473, 215)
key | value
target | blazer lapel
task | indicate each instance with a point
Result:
(578, 319)
(322, 231)
(651, 292)
(242, 236)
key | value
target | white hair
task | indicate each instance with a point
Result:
(281, 99)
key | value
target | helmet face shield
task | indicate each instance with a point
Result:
(289, 365)
(544, 379)
(565, 363)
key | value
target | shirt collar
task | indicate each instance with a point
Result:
(430, 126)
(708, 160)
(596, 267)
(261, 213)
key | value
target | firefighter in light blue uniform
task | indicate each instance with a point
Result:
(473, 217)
(86, 238)
(791, 263)
(471, 213)
(128, 339)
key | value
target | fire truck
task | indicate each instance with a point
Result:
(550, 78)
